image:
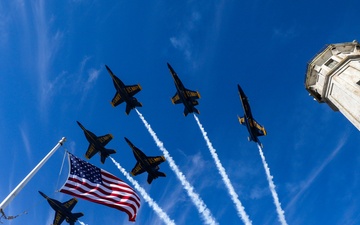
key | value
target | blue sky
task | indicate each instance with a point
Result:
(52, 57)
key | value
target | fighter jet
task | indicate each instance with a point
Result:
(124, 93)
(97, 144)
(145, 163)
(63, 210)
(254, 128)
(183, 95)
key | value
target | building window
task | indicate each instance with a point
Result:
(331, 63)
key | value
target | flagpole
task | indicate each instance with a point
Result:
(21, 185)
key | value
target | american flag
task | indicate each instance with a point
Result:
(91, 183)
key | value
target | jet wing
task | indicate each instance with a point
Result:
(155, 161)
(58, 218)
(70, 204)
(105, 139)
(117, 100)
(138, 169)
(133, 89)
(260, 130)
(192, 94)
(176, 99)
(91, 151)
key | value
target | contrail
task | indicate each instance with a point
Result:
(82, 223)
(279, 210)
(145, 195)
(240, 209)
(198, 202)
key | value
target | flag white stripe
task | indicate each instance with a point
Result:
(94, 190)
(97, 199)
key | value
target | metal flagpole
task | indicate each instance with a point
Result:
(20, 186)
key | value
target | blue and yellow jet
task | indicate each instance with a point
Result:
(254, 128)
(183, 95)
(145, 163)
(124, 93)
(97, 144)
(63, 210)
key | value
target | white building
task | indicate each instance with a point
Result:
(333, 77)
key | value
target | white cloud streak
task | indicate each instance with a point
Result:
(234, 197)
(198, 202)
(316, 172)
(145, 195)
(182, 41)
(47, 46)
(4, 34)
(277, 203)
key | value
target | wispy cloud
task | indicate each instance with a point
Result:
(317, 171)
(79, 82)
(25, 139)
(287, 33)
(182, 41)
(258, 193)
(92, 75)
(47, 46)
(4, 20)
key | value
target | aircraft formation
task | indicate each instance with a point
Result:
(144, 163)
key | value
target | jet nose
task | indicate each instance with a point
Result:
(129, 142)
(170, 68)
(43, 194)
(80, 125)
(240, 90)
(109, 70)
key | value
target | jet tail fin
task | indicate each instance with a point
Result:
(104, 156)
(78, 215)
(150, 179)
(157, 174)
(196, 110)
(138, 104)
(110, 151)
(186, 111)
(160, 174)
(129, 107)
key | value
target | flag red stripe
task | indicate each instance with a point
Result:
(104, 189)
(131, 216)
(126, 200)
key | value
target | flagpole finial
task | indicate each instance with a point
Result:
(61, 142)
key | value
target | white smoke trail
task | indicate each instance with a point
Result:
(145, 195)
(198, 202)
(240, 209)
(279, 210)
(82, 223)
